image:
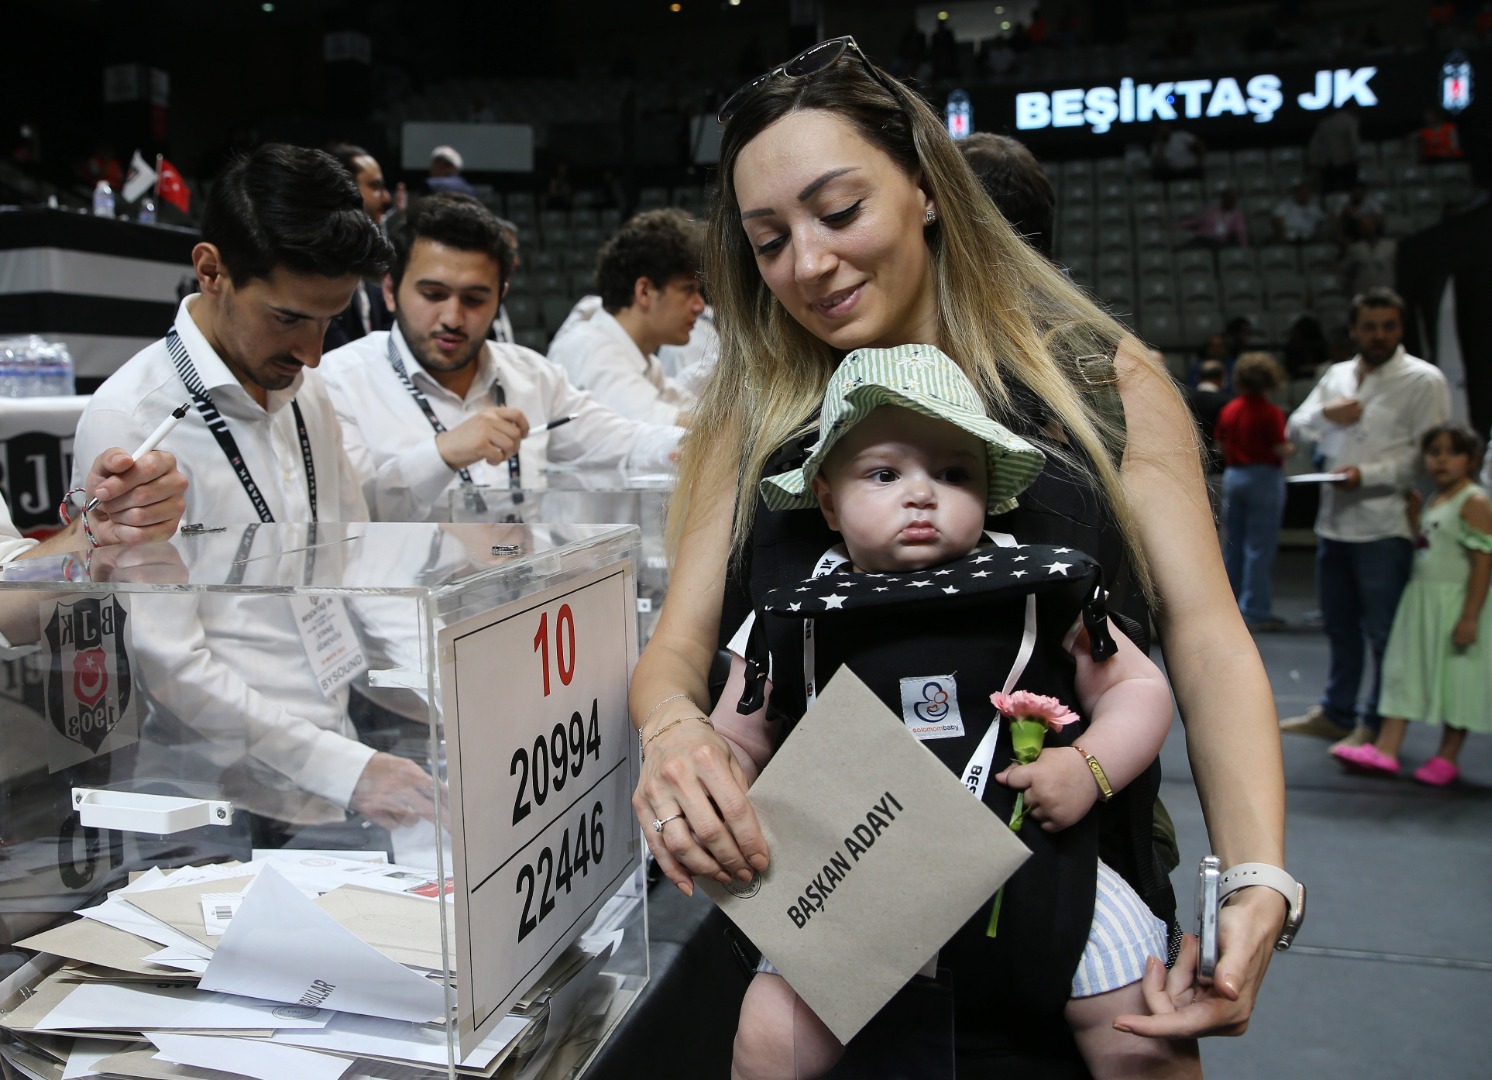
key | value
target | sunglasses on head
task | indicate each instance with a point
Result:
(814, 59)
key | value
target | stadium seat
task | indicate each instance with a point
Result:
(1115, 238)
(1194, 261)
(1160, 325)
(1197, 287)
(1154, 262)
(1075, 242)
(1284, 289)
(1278, 257)
(1233, 258)
(535, 339)
(1242, 287)
(1154, 237)
(1117, 290)
(1152, 212)
(1156, 289)
(1287, 159)
(1318, 257)
(555, 306)
(1184, 189)
(1114, 262)
(523, 311)
(1200, 321)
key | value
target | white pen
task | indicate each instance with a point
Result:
(152, 442)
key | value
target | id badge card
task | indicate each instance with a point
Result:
(331, 644)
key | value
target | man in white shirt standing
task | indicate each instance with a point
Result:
(432, 404)
(648, 275)
(1365, 416)
(285, 242)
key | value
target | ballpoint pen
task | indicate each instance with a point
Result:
(151, 442)
(557, 422)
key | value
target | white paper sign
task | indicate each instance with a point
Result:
(541, 770)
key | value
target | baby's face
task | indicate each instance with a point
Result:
(905, 491)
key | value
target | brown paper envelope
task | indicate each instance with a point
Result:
(403, 928)
(180, 906)
(95, 943)
(45, 996)
(879, 854)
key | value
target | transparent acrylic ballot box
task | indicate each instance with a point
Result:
(321, 793)
(588, 496)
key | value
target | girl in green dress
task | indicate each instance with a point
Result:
(1438, 665)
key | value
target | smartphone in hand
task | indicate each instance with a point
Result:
(1209, 874)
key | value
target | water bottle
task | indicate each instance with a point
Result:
(147, 210)
(32, 366)
(103, 199)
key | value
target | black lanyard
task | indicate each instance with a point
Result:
(515, 476)
(246, 546)
(219, 428)
(422, 401)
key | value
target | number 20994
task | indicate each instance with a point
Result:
(559, 870)
(554, 759)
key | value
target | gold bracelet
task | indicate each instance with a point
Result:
(1105, 791)
(665, 701)
(643, 745)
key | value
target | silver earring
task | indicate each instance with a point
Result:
(932, 215)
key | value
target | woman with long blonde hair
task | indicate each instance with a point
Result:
(846, 218)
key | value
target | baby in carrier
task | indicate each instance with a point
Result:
(906, 468)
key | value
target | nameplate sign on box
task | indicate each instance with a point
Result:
(541, 764)
(878, 855)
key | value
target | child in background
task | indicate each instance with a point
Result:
(1251, 430)
(1437, 667)
(906, 467)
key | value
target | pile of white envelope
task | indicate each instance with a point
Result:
(295, 965)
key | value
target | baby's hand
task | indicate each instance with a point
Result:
(1059, 788)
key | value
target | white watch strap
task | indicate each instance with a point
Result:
(1257, 873)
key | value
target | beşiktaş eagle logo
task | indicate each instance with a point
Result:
(90, 683)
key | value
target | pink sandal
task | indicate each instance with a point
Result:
(1368, 759)
(1437, 772)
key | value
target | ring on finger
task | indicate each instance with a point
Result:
(658, 823)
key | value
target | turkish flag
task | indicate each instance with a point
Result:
(173, 188)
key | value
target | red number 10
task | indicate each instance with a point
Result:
(564, 645)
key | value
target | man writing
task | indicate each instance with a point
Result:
(285, 242)
(433, 404)
(1365, 417)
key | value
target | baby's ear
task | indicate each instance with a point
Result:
(825, 496)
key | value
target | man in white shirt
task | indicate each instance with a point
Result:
(1299, 218)
(1175, 154)
(1365, 416)
(285, 243)
(648, 276)
(433, 405)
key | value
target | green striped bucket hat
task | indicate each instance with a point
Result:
(917, 377)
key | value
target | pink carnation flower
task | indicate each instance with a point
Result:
(1024, 705)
